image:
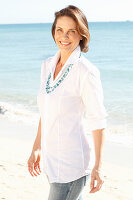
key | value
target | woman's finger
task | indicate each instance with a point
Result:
(92, 182)
(98, 186)
(39, 167)
(30, 170)
(36, 170)
(95, 189)
(30, 167)
(99, 182)
(33, 172)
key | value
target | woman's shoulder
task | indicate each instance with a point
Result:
(44, 67)
(45, 64)
(86, 66)
(46, 61)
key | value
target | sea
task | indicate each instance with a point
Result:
(23, 47)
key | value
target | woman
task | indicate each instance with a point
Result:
(70, 87)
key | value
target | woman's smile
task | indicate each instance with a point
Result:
(64, 43)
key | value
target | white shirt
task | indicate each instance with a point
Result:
(65, 147)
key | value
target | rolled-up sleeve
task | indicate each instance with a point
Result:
(92, 97)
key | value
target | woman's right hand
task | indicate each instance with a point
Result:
(34, 163)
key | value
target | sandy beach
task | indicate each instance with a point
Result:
(16, 140)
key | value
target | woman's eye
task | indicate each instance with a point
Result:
(72, 31)
(59, 30)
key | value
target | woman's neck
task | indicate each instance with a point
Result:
(63, 57)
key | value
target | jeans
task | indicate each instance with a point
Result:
(68, 191)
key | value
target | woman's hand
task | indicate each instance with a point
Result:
(34, 163)
(95, 176)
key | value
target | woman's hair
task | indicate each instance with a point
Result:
(82, 25)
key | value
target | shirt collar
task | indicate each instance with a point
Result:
(74, 57)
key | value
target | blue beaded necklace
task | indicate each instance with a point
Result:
(49, 88)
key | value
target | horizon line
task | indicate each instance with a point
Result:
(52, 22)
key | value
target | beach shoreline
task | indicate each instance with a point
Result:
(16, 141)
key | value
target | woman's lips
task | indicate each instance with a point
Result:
(65, 43)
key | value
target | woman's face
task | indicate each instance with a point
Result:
(66, 35)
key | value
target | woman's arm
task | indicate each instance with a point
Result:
(35, 157)
(98, 139)
(92, 96)
(37, 143)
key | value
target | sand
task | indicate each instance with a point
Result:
(16, 140)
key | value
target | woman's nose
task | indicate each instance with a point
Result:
(65, 34)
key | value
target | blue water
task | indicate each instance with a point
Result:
(23, 47)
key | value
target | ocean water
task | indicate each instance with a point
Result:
(23, 47)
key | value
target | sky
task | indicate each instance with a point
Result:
(42, 11)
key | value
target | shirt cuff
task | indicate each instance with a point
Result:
(97, 124)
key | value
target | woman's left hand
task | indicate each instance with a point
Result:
(95, 177)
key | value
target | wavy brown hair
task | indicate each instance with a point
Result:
(81, 22)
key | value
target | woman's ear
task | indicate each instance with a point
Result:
(81, 38)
